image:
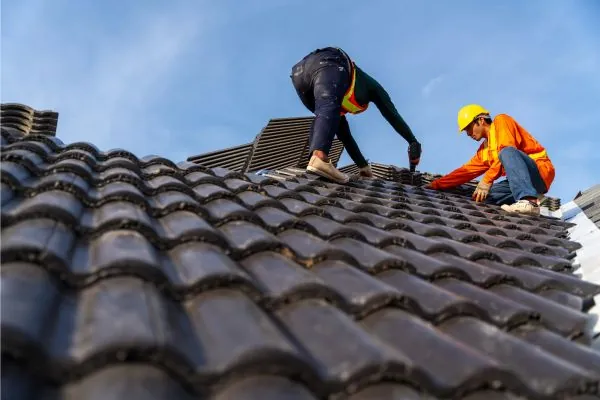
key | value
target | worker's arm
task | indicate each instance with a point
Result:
(505, 137)
(378, 95)
(468, 171)
(350, 145)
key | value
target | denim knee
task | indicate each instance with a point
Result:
(507, 151)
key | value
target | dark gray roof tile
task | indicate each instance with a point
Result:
(216, 282)
(310, 249)
(554, 316)
(253, 200)
(342, 215)
(277, 220)
(493, 395)
(41, 240)
(368, 257)
(162, 183)
(519, 257)
(118, 215)
(166, 202)
(6, 195)
(360, 292)
(196, 178)
(118, 250)
(281, 280)
(206, 192)
(540, 372)
(110, 192)
(29, 295)
(138, 382)
(195, 267)
(222, 317)
(120, 174)
(562, 347)
(390, 391)
(14, 173)
(562, 297)
(247, 238)
(300, 208)
(502, 311)
(427, 245)
(328, 229)
(223, 210)
(522, 277)
(280, 192)
(238, 185)
(474, 272)
(16, 381)
(376, 236)
(63, 206)
(264, 387)
(446, 365)
(183, 226)
(429, 301)
(317, 325)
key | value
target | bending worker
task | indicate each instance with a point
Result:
(330, 85)
(507, 150)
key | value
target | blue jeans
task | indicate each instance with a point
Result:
(523, 178)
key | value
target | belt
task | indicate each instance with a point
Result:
(349, 63)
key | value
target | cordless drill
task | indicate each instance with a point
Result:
(414, 155)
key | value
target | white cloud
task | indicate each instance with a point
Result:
(428, 88)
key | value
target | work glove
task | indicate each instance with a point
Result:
(481, 191)
(365, 172)
(414, 154)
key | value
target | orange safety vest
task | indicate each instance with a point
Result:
(492, 149)
(349, 103)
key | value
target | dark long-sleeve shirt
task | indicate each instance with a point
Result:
(368, 90)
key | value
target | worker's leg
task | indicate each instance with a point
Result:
(522, 174)
(350, 145)
(500, 193)
(524, 181)
(330, 85)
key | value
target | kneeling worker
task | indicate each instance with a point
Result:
(330, 85)
(507, 150)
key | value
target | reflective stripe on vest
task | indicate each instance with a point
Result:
(349, 103)
(493, 148)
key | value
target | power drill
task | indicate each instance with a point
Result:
(414, 155)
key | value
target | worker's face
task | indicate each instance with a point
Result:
(475, 130)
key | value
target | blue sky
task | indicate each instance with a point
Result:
(180, 78)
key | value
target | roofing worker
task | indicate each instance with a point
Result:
(507, 150)
(330, 85)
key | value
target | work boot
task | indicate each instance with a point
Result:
(326, 170)
(522, 207)
(365, 172)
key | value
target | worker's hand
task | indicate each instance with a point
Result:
(414, 153)
(365, 172)
(481, 191)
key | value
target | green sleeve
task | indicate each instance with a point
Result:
(377, 94)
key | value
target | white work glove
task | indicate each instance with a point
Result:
(481, 191)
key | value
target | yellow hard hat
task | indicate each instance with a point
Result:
(467, 114)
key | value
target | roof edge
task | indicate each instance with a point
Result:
(587, 258)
